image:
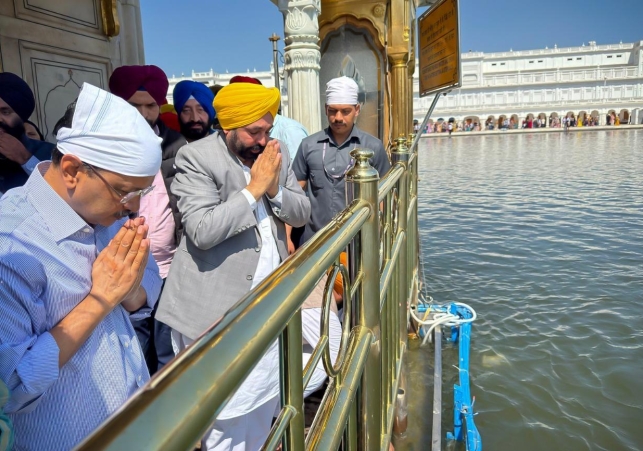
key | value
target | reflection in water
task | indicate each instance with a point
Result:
(543, 236)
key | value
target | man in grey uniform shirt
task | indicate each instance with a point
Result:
(323, 159)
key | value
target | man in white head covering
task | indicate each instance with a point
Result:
(323, 159)
(73, 268)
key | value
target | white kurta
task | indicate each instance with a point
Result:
(244, 423)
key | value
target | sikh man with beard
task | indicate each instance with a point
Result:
(19, 154)
(236, 192)
(145, 87)
(193, 104)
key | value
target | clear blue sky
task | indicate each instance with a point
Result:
(182, 35)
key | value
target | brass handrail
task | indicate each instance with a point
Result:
(177, 407)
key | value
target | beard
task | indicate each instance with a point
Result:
(194, 134)
(249, 153)
(17, 131)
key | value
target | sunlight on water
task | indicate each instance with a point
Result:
(543, 236)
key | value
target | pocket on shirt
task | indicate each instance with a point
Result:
(317, 179)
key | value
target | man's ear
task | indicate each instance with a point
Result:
(358, 108)
(70, 169)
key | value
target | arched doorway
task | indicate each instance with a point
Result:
(624, 116)
(440, 125)
(554, 120)
(571, 119)
(529, 121)
(503, 122)
(542, 119)
(471, 123)
(514, 122)
(581, 119)
(490, 123)
(610, 118)
(595, 118)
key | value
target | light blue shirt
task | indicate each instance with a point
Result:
(290, 132)
(46, 257)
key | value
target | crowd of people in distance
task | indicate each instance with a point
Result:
(514, 123)
(140, 227)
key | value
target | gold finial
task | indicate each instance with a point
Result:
(362, 170)
(401, 144)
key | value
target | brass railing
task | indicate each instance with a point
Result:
(379, 229)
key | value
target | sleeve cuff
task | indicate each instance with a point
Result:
(37, 371)
(152, 284)
(276, 201)
(251, 199)
(30, 165)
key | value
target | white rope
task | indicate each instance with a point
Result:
(443, 318)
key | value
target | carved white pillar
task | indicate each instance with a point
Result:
(131, 35)
(302, 60)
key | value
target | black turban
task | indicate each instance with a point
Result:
(17, 94)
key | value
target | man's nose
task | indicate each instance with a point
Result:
(263, 141)
(134, 204)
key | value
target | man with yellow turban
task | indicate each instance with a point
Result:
(236, 192)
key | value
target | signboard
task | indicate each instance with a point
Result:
(439, 44)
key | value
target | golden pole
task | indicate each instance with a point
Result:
(362, 183)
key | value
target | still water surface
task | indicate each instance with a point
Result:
(543, 235)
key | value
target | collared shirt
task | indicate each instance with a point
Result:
(288, 131)
(158, 215)
(46, 257)
(327, 194)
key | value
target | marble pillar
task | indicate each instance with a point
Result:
(131, 36)
(302, 58)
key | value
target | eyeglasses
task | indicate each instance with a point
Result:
(125, 198)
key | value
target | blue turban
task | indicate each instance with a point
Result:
(186, 88)
(17, 94)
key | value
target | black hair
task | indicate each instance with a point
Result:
(67, 118)
(42, 138)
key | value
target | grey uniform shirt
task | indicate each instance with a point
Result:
(327, 193)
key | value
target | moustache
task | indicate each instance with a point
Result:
(16, 131)
(193, 123)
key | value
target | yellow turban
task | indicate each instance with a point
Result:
(241, 104)
(168, 108)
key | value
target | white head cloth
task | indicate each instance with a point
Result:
(109, 133)
(341, 91)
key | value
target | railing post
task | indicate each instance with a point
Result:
(401, 154)
(362, 183)
(403, 278)
(292, 389)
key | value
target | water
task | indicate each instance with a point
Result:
(543, 235)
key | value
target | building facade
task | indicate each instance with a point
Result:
(212, 78)
(590, 80)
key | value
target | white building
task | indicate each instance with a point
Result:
(212, 78)
(591, 79)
